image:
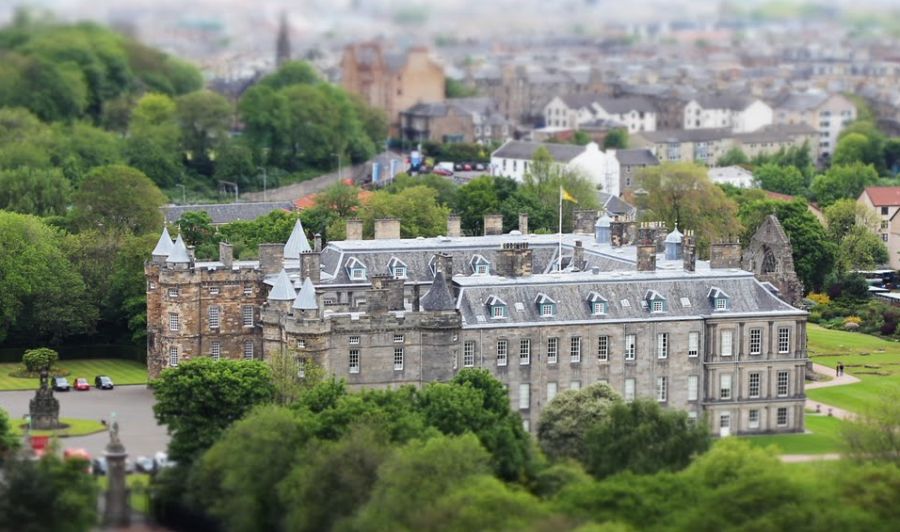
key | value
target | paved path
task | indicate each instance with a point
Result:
(844, 379)
(296, 191)
(798, 458)
(133, 406)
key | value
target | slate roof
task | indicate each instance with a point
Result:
(223, 213)
(438, 297)
(802, 101)
(687, 135)
(283, 289)
(571, 291)
(578, 101)
(636, 157)
(517, 149)
(179, 254)
(297, 243)
(776, 133)
(164, 245)
(615, 204)
(306, 298)
(734, 102)
(626, 105)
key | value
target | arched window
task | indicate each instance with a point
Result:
(768, 265)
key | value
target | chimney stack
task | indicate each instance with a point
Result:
(354, 229)
(514, 260)
(578, 256)
(310, 265)
(444, 263)
(318, 242)
(454, 226)
(387, 228)
(659, 236)
(617, 232)
(226, 254)
(689, 251)
(725, 253)
(646, 248)
(523, 223)
(271, 258)
(584, 221)
(493, 224)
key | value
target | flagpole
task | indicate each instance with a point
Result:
(559, 235)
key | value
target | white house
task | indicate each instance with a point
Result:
(571, 111)
(740, 114)
(732, 175)
(601, 168)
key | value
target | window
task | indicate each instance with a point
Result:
(721, 303)
(214, 317)
(247, 315)
(213, 290)
(753, 419)
(783, 383)
(727, 340)
(693, 387)
(575, 349)
(357, 273)
(354, 361)
(657, 306)
(468, 354)
(398, 338)
(662, 345)
(603, 348)
(629, 389)
(498, 311)
(784, 339)
(755, 341)
(301, 343)
(216, 350)
(524, 396)
(575, 385)
(884, 237)
(248, 290)
(502, 352)
(884, 211)
(547, 310)
(400, 271)
(526, 425)
(781, 417)
(693, 344)
(173, 293)
(599, 307)
(173, 356)
(725, 386)
(398, 359)
(661, 389)
(174, 323)
(552, 350)
(248, 350)
(353, 340)
(630, 346)
(753, 386)
(551, 391)
(725, 421)
(524, 352)
(481, 268)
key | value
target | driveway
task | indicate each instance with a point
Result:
(133, 406)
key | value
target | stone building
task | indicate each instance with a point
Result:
(769, 257)
(638, 312)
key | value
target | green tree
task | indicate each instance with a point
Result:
(892, 155)
(616, 139)
(416, 208)
(197, 230)
(47, 494)
(861, 249)
(845, 214)
(473, 200)
(286, 370)
(204, 117)
(291, 73)
(445, 188)
(41, 192)
(544, 178)
(875, 435)
(866, 145)
(851, 148)
(783, 179)
(643, 438)
(566, 420)
(39, 358)
(234, 162)
(843, 181)
(732, 157)
(154, 141)
(118, 199)
(127, 294)
(456, 89)
(42, 297)
(200, 398)
(9, 443)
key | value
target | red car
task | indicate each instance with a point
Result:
(82, 385)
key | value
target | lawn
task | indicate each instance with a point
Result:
(120, 371)
(77, 427)
(876, 362)
(138, 483)
(825, 437)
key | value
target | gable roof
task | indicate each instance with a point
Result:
(883, 196)
(517, 149)
(636, 156)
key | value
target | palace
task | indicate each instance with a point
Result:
(622, 303)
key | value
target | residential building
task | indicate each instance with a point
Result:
(575, 110)
(630, 164)
(736, 176)
(827, 113)
(455, 120)
(738, 113)
(391, 81)
(885, 201)
(514, 158)
(641, 315)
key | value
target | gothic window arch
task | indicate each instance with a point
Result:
(769, 263)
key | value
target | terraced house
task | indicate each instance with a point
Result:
(612, 302)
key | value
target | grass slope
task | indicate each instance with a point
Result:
(876, 362)
(120, 371)
(825, 437)
(77, 427)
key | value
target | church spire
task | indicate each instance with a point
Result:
(283, 44)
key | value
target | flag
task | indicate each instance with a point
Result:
(566, 196)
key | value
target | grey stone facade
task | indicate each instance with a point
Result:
(769, 256)
(704, 337)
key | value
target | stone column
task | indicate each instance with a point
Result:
(116, 512)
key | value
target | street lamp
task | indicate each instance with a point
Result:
(340, 169)
(183, 193)
(265, 183)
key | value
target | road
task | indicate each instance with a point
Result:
(296, 191)
(133, 406)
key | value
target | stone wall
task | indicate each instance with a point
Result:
(769, 255)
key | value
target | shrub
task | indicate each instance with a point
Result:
(819, 298)
(852, 319)
(39, 358)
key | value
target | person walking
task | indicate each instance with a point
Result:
(837, 370)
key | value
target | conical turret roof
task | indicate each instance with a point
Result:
(179, 254)
(164, 245)
(283, 289)
(297, 243)
(603, 221)
(306, 298)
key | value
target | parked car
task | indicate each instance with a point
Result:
(99, 466)
(60, 384)
(479, 166)
(467, 167)
(458, 167)
(81, 385)
(144, 464)
(103, 382)
(442, 171)
(161, 461)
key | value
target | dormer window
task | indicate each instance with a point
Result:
(546, 306)
(498, 308)
(356, 270)
(656, 302)
(480, 265)
(397, 268)
(719, 299)
(598, 304)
